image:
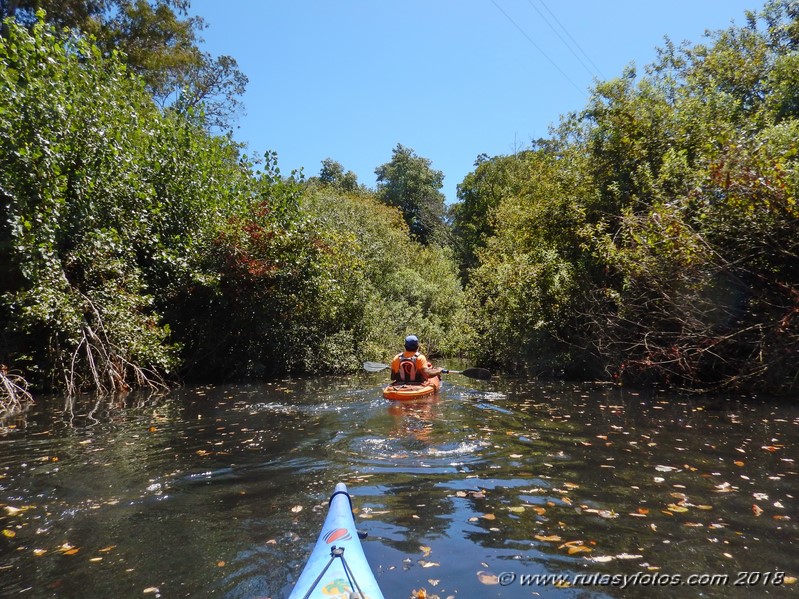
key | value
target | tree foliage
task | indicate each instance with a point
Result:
(655, 239)
(409, 183)
(160, 43)
(136, 246)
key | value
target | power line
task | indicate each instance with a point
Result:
(566, 31)
(537, 47)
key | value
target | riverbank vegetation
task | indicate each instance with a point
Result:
(651, 237)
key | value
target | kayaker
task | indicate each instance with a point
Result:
(411, 366)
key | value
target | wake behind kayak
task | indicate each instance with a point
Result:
(337, 567)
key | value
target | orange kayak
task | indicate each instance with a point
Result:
(407, 392)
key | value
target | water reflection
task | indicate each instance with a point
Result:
(219, 491)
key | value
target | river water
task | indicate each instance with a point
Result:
(482, 492)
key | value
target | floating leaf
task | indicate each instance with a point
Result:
(426, 564)
(487, 577)
(296, 509)
(489, 516)
(665, 468)
(425, 550)
(756, 509)
(548, 539)
(518, 509)
(540, 510)
(151, 590)
(9, 533)
(602, 558)
(39, 552)
(579, 549)
(677, 508)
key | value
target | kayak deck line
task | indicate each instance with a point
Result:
(327, 573)
(337, 552)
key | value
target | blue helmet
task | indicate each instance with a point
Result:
(411, 343)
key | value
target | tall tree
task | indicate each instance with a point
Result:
(409, 183)
(332, 173)
(160, 42)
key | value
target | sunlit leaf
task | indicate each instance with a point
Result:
(665, 468)
(38, 552)
(738, 463)
(425, 550)
(517, 509)
(426, 564)
(756, 509)
(9, 533)
(789, 580)
(296, 509)
(548, 539)
(677, 508)
(540, 510)
(489, 517)
(579, 549)
(487, 577)
(151, 590)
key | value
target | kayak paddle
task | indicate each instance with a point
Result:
(474, 373)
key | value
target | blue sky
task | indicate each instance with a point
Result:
(451, 79)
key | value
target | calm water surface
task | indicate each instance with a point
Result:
(221, 491)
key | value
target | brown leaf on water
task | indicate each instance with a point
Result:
(548, 539)
(425, 550)
(756, 509)
(489, 517)
(673, 507)
(487, 577)
(539, 510)
(579, 549)
(738, 463)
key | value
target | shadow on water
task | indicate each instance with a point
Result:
(220, 491)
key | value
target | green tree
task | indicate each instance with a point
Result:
(160, 43)
(332, 173)
(409, 183)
